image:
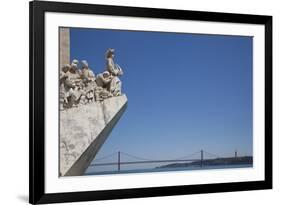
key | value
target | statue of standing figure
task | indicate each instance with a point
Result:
(108, 82)
(87, 74)
(115, 70)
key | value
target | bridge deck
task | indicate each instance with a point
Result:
(143, 162)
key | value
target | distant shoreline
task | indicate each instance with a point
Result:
(212, 162)
(171, 169)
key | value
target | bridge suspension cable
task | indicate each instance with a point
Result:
(136, 157)
(215, 155)
(188, 156)
(105, 157)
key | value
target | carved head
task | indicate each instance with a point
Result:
(74, 62)
(74, 65)
(106, 74)
(84, 64)
(65, 68)
(110, 53)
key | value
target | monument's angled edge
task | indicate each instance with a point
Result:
(82, 163)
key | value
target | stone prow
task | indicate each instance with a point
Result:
(81, 165)
(84, 130)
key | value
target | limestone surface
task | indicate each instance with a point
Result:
(83, 130)
(64, 46)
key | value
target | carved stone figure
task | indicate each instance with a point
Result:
(115, 70)
(72, 85)
(83, 100)
(63, 77)
(63, 74)
(103, 79)
(90, 96)
(102, 94)
(87, 74)
(74, 66)
(115, 86)
(111, 67)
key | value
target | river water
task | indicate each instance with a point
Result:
(191, 168)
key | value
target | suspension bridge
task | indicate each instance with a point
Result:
(200, 155)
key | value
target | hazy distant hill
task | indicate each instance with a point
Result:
(213, 162)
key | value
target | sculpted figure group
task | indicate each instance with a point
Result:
(81, 86)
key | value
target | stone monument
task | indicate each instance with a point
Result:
(90, 106)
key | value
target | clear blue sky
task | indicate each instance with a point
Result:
(185, 92)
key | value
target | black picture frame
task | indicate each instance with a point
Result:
(37, 9)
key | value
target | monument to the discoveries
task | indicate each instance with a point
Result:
(90, 106)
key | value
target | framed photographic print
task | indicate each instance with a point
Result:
(139, 102)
